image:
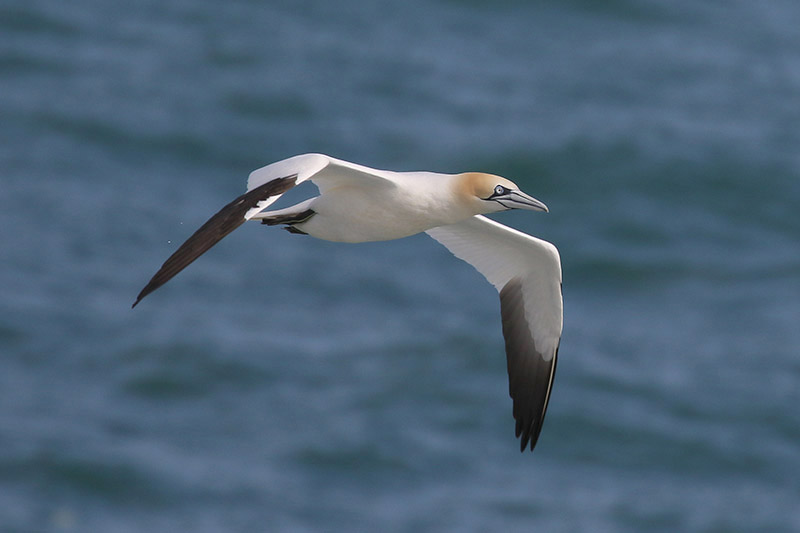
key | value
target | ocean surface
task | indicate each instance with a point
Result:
(287, 384)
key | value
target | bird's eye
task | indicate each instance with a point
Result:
(499, 190)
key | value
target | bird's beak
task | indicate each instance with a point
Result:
(519, 200)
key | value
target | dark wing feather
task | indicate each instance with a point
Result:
(530, 372)
(526, 271)
(225, 221)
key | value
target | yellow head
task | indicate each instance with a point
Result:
(490, 193)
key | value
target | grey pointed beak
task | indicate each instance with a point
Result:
(519, 200)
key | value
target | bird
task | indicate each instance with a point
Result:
(357, 203)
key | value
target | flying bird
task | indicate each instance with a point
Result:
(360, 204)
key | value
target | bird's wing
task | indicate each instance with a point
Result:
(527, 273)
(324, 171)
(264, 187)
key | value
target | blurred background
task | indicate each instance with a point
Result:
(287, 384)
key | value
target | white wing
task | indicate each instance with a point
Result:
(527, 273)
(325, 171)
(264, 186)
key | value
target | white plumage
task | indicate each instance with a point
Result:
(358, 204)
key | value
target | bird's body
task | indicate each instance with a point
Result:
(359, 204)
(392, 212)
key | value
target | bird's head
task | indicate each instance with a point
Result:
(490, 193)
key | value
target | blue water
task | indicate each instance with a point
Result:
(286, 384)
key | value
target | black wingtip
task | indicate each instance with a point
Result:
(218, 226)
(525, 442)
(144, 292)
(529, 436)
(530, 373)
(150, 287)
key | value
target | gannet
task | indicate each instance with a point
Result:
(359, 204)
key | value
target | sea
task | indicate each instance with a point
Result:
(286, 384)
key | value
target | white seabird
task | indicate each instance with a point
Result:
(359, 204)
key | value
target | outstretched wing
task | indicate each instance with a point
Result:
(264, 186)
(527, 273)
(221, 224)
(324, 171)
